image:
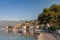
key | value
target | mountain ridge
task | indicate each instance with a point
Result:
(5, 23)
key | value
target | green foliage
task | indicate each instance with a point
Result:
(46, 10)
(55, 8)
(56, 27)
(50, 14)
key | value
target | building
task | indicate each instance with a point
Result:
(9, 28)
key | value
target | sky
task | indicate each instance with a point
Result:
(23, 9)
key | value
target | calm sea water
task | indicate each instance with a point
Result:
(17, 36)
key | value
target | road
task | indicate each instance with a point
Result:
(48, 36)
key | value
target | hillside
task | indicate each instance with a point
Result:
(8, 22)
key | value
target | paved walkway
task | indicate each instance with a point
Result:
(48, 36)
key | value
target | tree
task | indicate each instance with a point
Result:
(50, 14)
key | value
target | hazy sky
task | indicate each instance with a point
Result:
(23, 9)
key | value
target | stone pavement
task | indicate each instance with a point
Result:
(48, 36)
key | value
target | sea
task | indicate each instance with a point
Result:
(17, 36)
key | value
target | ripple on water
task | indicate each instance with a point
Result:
(12, 36)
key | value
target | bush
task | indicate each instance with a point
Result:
(56, 27)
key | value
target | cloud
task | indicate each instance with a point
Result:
(13, 19)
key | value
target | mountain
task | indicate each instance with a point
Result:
(5, 23)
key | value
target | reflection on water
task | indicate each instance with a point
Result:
(17, 36)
